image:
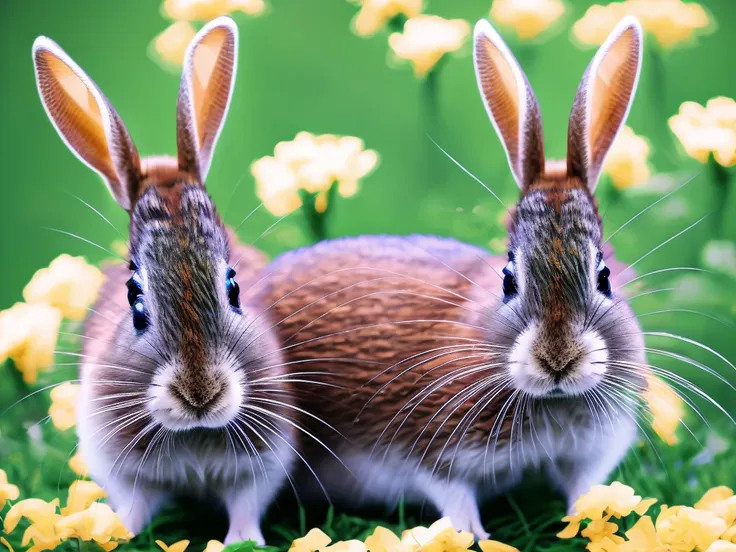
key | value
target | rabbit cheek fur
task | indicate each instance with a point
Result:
(452, 371)
(182, 387)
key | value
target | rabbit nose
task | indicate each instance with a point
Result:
(558, 367)
(200, 396)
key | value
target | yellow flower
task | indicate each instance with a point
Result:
(78, 465)
(602, 531)
(642, 537)
(82, 494)
(688, 527)
(64, 400)
(69, 283)
(171, 45)
(345, 546)
(705, 130)
(311, 163)
(666, 408)
(119, 247)
(7, 491)
(722, 546)
(382, 540)
(6, 544)
(214, 546)
(441, 536)
(96, 523)
(426, 38)
(495, 546)
(528, 18)
(615, 500)
(204, 10)
(28, 335)
(180, 546)
(722, 502)
(670, 21)
(42, 516)
(626, 162)
(314, 540)
(374, 14)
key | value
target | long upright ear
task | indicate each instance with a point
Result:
(603, 101)
(86, 121)
(511, 104)
(204, 97)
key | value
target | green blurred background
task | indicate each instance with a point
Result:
(302, 68)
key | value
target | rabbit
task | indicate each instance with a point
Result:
(451, 372)
(174, 397)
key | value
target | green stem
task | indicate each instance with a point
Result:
(722, 179)
(316, 221)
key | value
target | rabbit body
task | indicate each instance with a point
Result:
(183, 385)
(411, 337)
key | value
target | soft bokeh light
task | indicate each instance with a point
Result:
(528, 18)
(706, 130)
(426, 38)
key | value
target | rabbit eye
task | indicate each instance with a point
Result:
(604, 282)
(233, 289)
(509, 281)
(135, 299)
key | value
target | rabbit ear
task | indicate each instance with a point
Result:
(204, 96)
(511, 104)
(603, 100)
(86, 121)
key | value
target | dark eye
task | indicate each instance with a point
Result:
(604, 283)
(233, 289)
(135, 299)
(509, 282)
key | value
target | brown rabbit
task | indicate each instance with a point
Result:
(174, 396)
(453, 370)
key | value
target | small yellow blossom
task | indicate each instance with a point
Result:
(615, 500)
(345, 546)
(670, 21)
(666, 408)
(642, 537)
(602, 530)
(119, 247)
(78, 465)
(6, 544)
(214, 546)
(688, 527)
(441, 536)
(311, 163)
(69, 283)
(316, 539)
(28, 335)
(382, 540)
(204, 10)
(528, 18)
(374, 14)
(180, 546)
(722, 502)
(7, 491)
(426, 38)
(82, 494)
(626, 162)
(64, 399)
(42, 517)
(171, 45)
(705, 130)
(496, 546)
(96, 523)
